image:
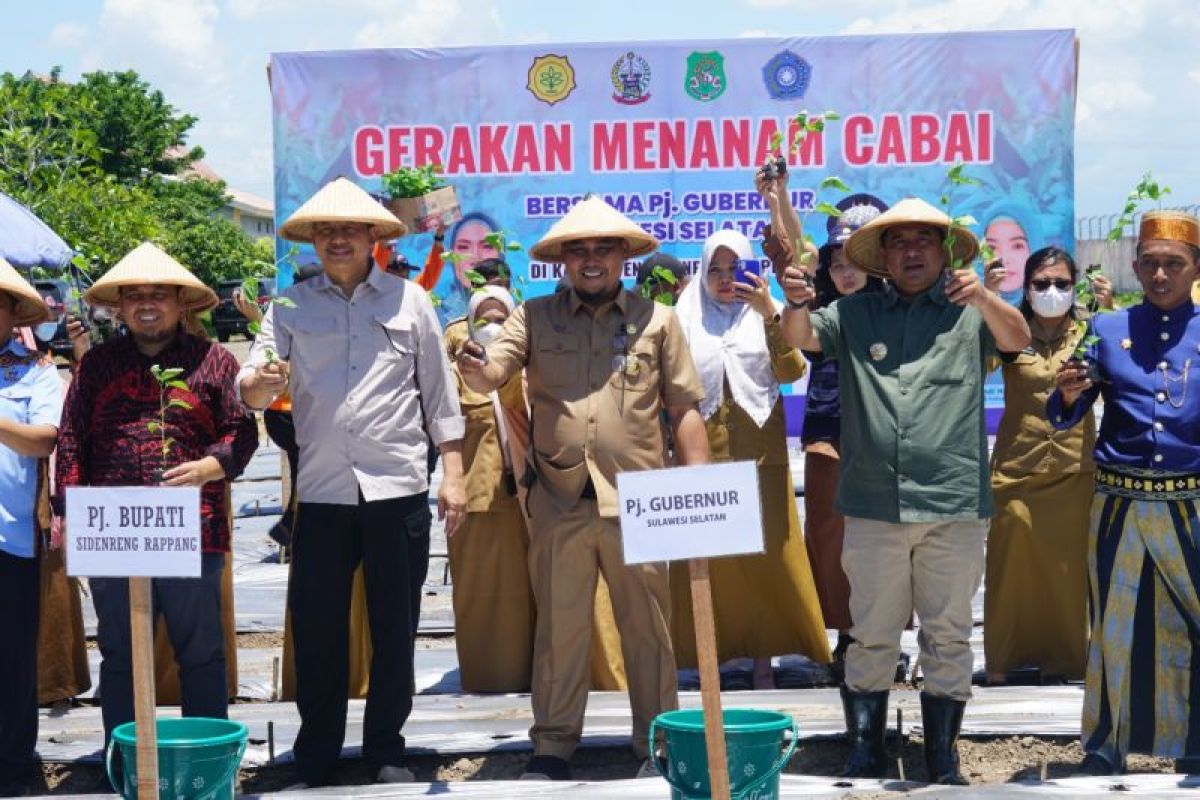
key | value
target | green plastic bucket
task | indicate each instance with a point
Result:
(752, 743)
(198, 758)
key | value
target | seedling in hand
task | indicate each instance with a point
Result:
(167, 379)
(956, 178)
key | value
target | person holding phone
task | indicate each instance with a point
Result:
(765, 605)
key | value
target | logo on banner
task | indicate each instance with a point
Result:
(705, 79)
(631, 79)
(551, 78)
(786, 76)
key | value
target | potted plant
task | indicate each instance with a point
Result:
(421, 198)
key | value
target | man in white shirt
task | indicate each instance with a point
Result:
(369, 379)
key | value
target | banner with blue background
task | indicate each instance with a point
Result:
(672, 132)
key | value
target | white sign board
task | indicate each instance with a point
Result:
(690, 512)
(133, 532)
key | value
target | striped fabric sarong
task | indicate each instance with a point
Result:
(1143, 671)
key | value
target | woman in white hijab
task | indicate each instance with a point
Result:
(765, 605)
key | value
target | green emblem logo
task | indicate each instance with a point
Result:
(705, 78)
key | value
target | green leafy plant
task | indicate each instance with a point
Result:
(955, 177)
(1084, 293)
(167, 379)
(413, 181)
(659, 287)
(807, 124)
(1146, 189)
(1085, 342)
(249, 290)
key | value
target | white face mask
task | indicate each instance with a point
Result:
(486, 334)
(1052, 302)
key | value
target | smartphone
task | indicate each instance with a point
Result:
(752, 265)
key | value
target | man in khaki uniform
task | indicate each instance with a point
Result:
(602, 364)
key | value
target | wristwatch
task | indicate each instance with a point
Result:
(795, 306)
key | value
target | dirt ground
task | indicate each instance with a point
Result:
(993, 760)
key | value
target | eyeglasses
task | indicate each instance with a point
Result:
(1042, 284)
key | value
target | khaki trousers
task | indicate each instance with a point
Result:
(933, 568)
(566, 551)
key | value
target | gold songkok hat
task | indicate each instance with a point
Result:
(1173, 226)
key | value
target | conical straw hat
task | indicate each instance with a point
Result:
(865, 245)
(592, 218)
(340, 200)
(30, 307)
(147, 264)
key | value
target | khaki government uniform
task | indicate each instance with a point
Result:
(1035, 608)
(598, 384)
(765, 605)
(494, 612)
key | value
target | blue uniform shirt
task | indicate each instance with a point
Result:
(31, 393)
(1149, 362)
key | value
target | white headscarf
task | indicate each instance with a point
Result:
(727, 340)
(488, 293)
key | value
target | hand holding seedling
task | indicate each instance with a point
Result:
(797, 287)
(195, 473)
(964, 289)
(471, 357)
(1073, 379)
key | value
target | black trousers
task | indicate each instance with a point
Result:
(192, 609)
(20, 596)
(390, 538)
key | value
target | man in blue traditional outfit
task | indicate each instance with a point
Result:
(1143, 672)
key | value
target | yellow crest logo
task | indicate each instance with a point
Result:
(551, 78)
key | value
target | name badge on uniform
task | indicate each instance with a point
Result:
(877, 351)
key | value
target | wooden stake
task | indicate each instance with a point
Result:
(275, 679)
(271, 740)
(141, 618)
(710, 680)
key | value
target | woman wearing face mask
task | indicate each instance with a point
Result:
(836, 277)
(765, 605)
(493, 603)
(1035, 606)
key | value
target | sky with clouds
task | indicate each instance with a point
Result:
(1139, 93)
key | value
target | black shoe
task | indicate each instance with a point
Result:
(547, 768)
(1096, 765)
(941, 719)
(866, 717)
(1188, 765)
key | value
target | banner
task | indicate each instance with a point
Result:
(672, 132)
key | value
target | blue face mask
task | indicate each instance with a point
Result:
(45, 331)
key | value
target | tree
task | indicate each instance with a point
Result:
(100, 161)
